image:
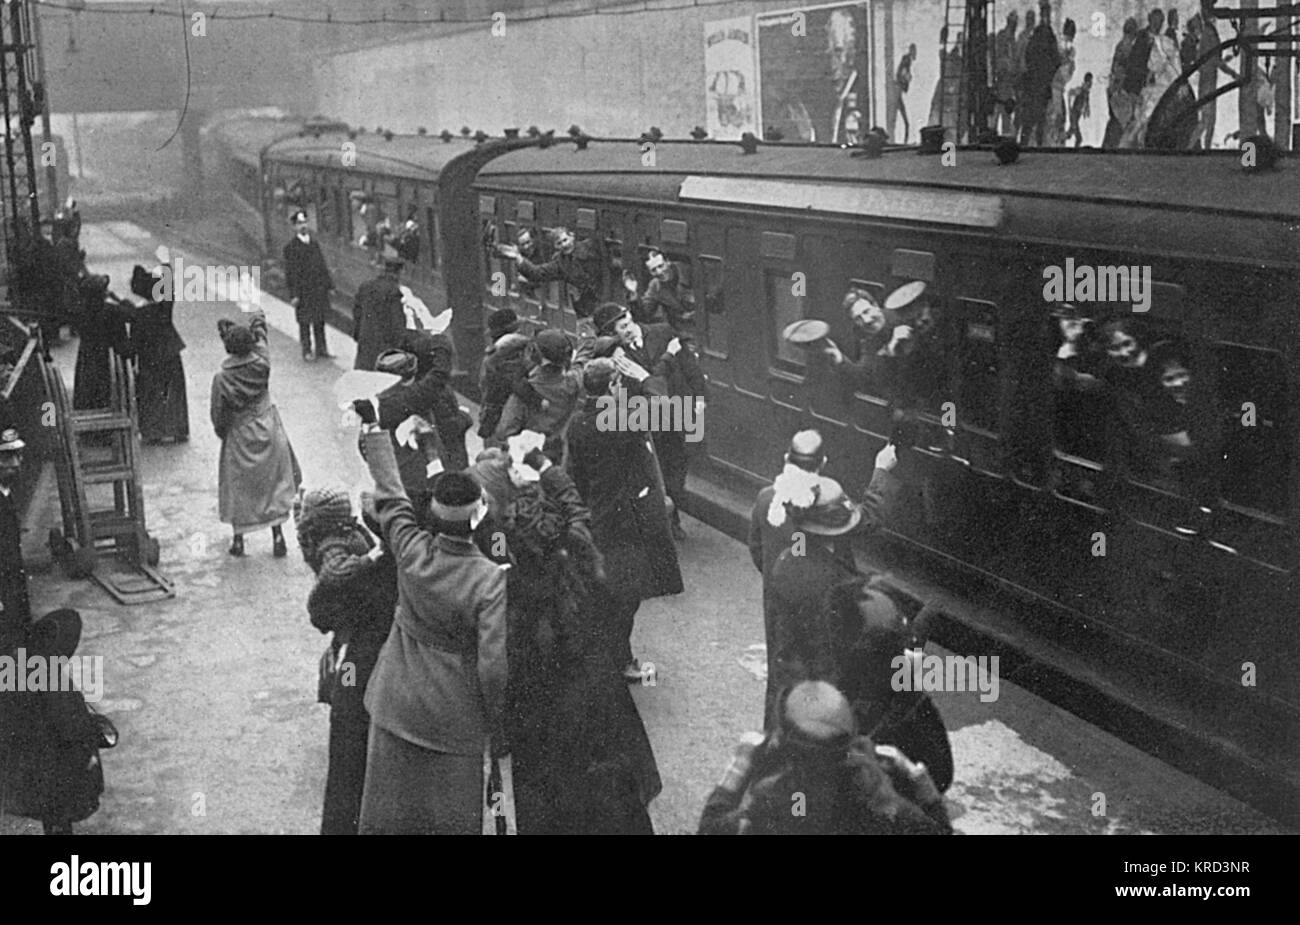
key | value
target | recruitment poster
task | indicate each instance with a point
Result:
(814, 73)
(730, 87)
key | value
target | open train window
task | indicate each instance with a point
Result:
(977, 388)
(711, 307)
(1256, 451)
(783, 308)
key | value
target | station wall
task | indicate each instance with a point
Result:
(617, 73)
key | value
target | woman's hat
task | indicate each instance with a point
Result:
(818, 713)
(297, 216)
(492, 471)
(503, 321)
(397, 363)
(815, 503)
(323, 508)
(56, 633)
(456, 496)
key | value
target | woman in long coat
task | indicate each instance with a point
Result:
(354, 598)
(160, 376)
(102, 326)
(583, 762)
(258, 476)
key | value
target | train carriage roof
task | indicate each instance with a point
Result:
(246, 136)
(412, 157)
(1199, 204)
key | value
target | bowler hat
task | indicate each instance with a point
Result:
(607, 315)
(503, 321)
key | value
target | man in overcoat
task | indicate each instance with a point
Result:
(616, 473)
(378, 317)
(309, 285)
(15, 605)
(653, 361)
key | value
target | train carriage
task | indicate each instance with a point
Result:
(1175, 589)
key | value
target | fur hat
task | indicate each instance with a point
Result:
(605, 317)
(503, 321)
(456, 496)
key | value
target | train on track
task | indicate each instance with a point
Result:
(1130, 581)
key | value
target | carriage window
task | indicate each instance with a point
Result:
(783, 308)
(1256, 457)
(977, 394)
(326, 213)
(711, 307)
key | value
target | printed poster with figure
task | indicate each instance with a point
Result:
(730, 90)
(814, 73)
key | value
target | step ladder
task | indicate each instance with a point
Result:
(101, 494)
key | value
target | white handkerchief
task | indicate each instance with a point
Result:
(433, 468)
(645, 491)
(407, 430)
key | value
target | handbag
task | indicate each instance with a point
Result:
(328, 672)
(104, 728)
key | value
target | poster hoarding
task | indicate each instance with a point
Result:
(814, 67)
(730, 85)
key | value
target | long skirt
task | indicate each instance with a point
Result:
(345, 780)
(160, 395)
(258, 475)
(416, 791)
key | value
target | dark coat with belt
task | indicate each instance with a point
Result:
(305, 274)
(618, 476)
(440, 682)
(378, 319)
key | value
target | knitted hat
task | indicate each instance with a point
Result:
(492, 471)
(554, 346)
(325, 507)
(456, 496)
(503, 321)
(818, 713)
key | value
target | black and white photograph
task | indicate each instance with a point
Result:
(698, 417)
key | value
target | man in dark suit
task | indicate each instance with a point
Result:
(616, 473)
(309, 285)
(653, 361)
(15, 606)
(378, 318)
